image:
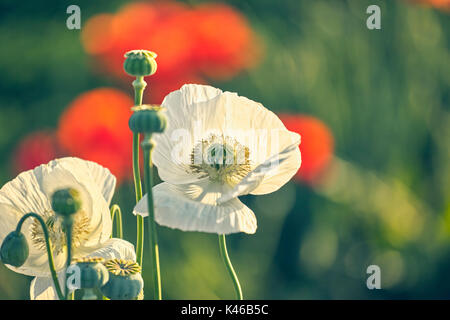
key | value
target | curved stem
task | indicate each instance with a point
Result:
(147, 145)
(229, 266)
(48, 245)
(138, 190)
(116, 217)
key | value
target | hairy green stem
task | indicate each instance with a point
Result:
(229, 266)
(48, 245)
(116, 217)
(139, 86)
(148, 145)
(68, 226)
(138, 191)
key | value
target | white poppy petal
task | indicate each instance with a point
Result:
(269, 176)
(101, 177)
(10, 216)
(99, 184)
(25, 194)
(175, 210)
(187, 109)
(191, 93)
(115, 249)
(42, 288)
(74, 173)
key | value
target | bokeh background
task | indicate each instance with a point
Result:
(372, 107)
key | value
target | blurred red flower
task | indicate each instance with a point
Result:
(191, 42)
(317, 145)
(219, 51)
(440, 4)
(35, 149)
(95, 127)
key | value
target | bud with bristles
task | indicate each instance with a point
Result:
(66, 202)
(14, 250)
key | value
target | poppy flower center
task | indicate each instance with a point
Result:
(80, 231)
(121, 267)
(222, 159)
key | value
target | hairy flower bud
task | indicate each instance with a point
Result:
(148, 119)
(125, 280)
(66, 202)
(14, 249)
(140, 63)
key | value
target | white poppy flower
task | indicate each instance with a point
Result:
(217, 146)
(42, 288)
(30, 191)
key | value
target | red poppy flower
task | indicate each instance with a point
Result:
(317, 145)
(156, 27)
(191, 42)
(221, 52)
(95, 127)
(35, 149)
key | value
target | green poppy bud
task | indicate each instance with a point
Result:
(93, 274)
(125, 280)
(140, 63)
(66, 202)
(14, 249)
(148, 119)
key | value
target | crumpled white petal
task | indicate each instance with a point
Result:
(42, 288)
(176, 210)
(115, 248)
(101, 176)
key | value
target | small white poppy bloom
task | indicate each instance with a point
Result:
(31, 191)
(217, 147)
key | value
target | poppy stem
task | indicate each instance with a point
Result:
(139, 86)
(147, 146)
(229, 266)
(68, 224)
(48, 245)
(138, 191)
(116, 217)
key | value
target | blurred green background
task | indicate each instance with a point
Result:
(383, 93)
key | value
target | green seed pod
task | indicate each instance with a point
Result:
(66, 202)
(140, 63)
(14, 249)
(148, 119)
(125, 280)
(93, 274)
